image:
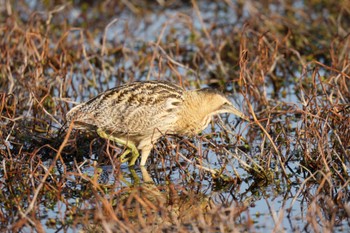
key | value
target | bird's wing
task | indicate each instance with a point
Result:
(143, 116)
(133, 109)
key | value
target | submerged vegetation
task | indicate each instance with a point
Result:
(286, 64)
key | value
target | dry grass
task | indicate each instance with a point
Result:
(288, 60)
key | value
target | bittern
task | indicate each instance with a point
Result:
(139, 113)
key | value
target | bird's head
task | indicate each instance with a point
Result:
(214, 102)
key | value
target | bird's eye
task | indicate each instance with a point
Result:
(224, 105)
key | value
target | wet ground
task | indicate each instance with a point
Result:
(283, 63)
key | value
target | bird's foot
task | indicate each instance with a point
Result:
(133, 158)
(130, 147)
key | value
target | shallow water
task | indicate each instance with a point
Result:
(77, 193)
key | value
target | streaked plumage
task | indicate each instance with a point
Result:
(141, 112)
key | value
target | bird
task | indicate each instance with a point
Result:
(137, 114)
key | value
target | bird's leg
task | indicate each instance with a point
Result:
(144, 154)
(131, 147)
(134, 157)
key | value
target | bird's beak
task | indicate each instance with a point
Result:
(233, 110)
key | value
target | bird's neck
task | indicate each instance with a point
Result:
(195, 114)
